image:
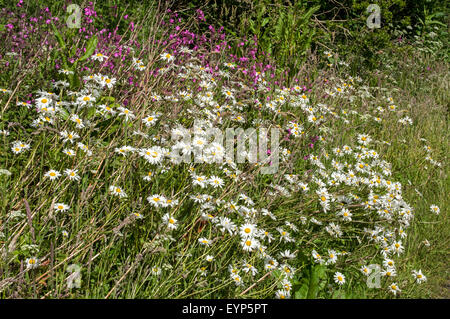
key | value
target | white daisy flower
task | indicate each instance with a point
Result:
(52, 174)
(215, 181)
(339, 278)
(32, 262)
(156, 200)
(61, 207)
(99, 57)
(117, 191)
(170, 221)
(72, 174)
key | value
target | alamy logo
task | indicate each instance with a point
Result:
(74, 20)
(373, 280)
(374, 19)
(211, 145)
(74, 279)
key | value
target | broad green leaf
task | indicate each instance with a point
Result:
(316, 274)
(302, 292)
(90, 48)
(64, 113)
(58, 36)
(62, 44)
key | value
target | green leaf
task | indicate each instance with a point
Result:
(90, 48)
(302, 292)
(62, 44)
(110, 99)
(91, 113)
(58, 36)
(316, 274)
(338, 294)
(64, 114)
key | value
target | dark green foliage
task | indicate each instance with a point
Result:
(290, 29)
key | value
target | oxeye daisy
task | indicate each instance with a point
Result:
(84, 100)
(42, 102)
(388, 263)
(397, 247)
(364, 139)
(69, 152)
(138, 215)
(99, 57)
(140, 67)
(85, 148)
(109, 82)
(69, 136)
(215, 181)
(61, 207)
(345, 214)
(392, 107)
(339, 278)
(150, 120)
(167, 57)
(202, 271)
(225, 224)
(389, 272)
(287, 254)
(249, 244)
(418, 276)
(32, 263)
(5, 91)
(156, 200)
(287, 270)
(435, 209)
(204, 241)
(52, 174)
(248, 268)
(156, 271)
(365, 270)
(284, 235)
(247, 230)
(65, 71)
(26, 104)
(332, 257)
(117, 191)
(282, 294)
(137, 61)
(199, 142)
(270, 263)
(153, 155)
(170, 221)
(106, 110)
(199, 180)
(72, 174)
(19, 147)
(148, 176)
(126, 113)
(79, 122)
(317, 257)
(394, 288)
(124, 150)
(237, 279)
(233, 270)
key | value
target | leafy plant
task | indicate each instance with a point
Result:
(286, 32)
(311, 283)
(64, 53)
